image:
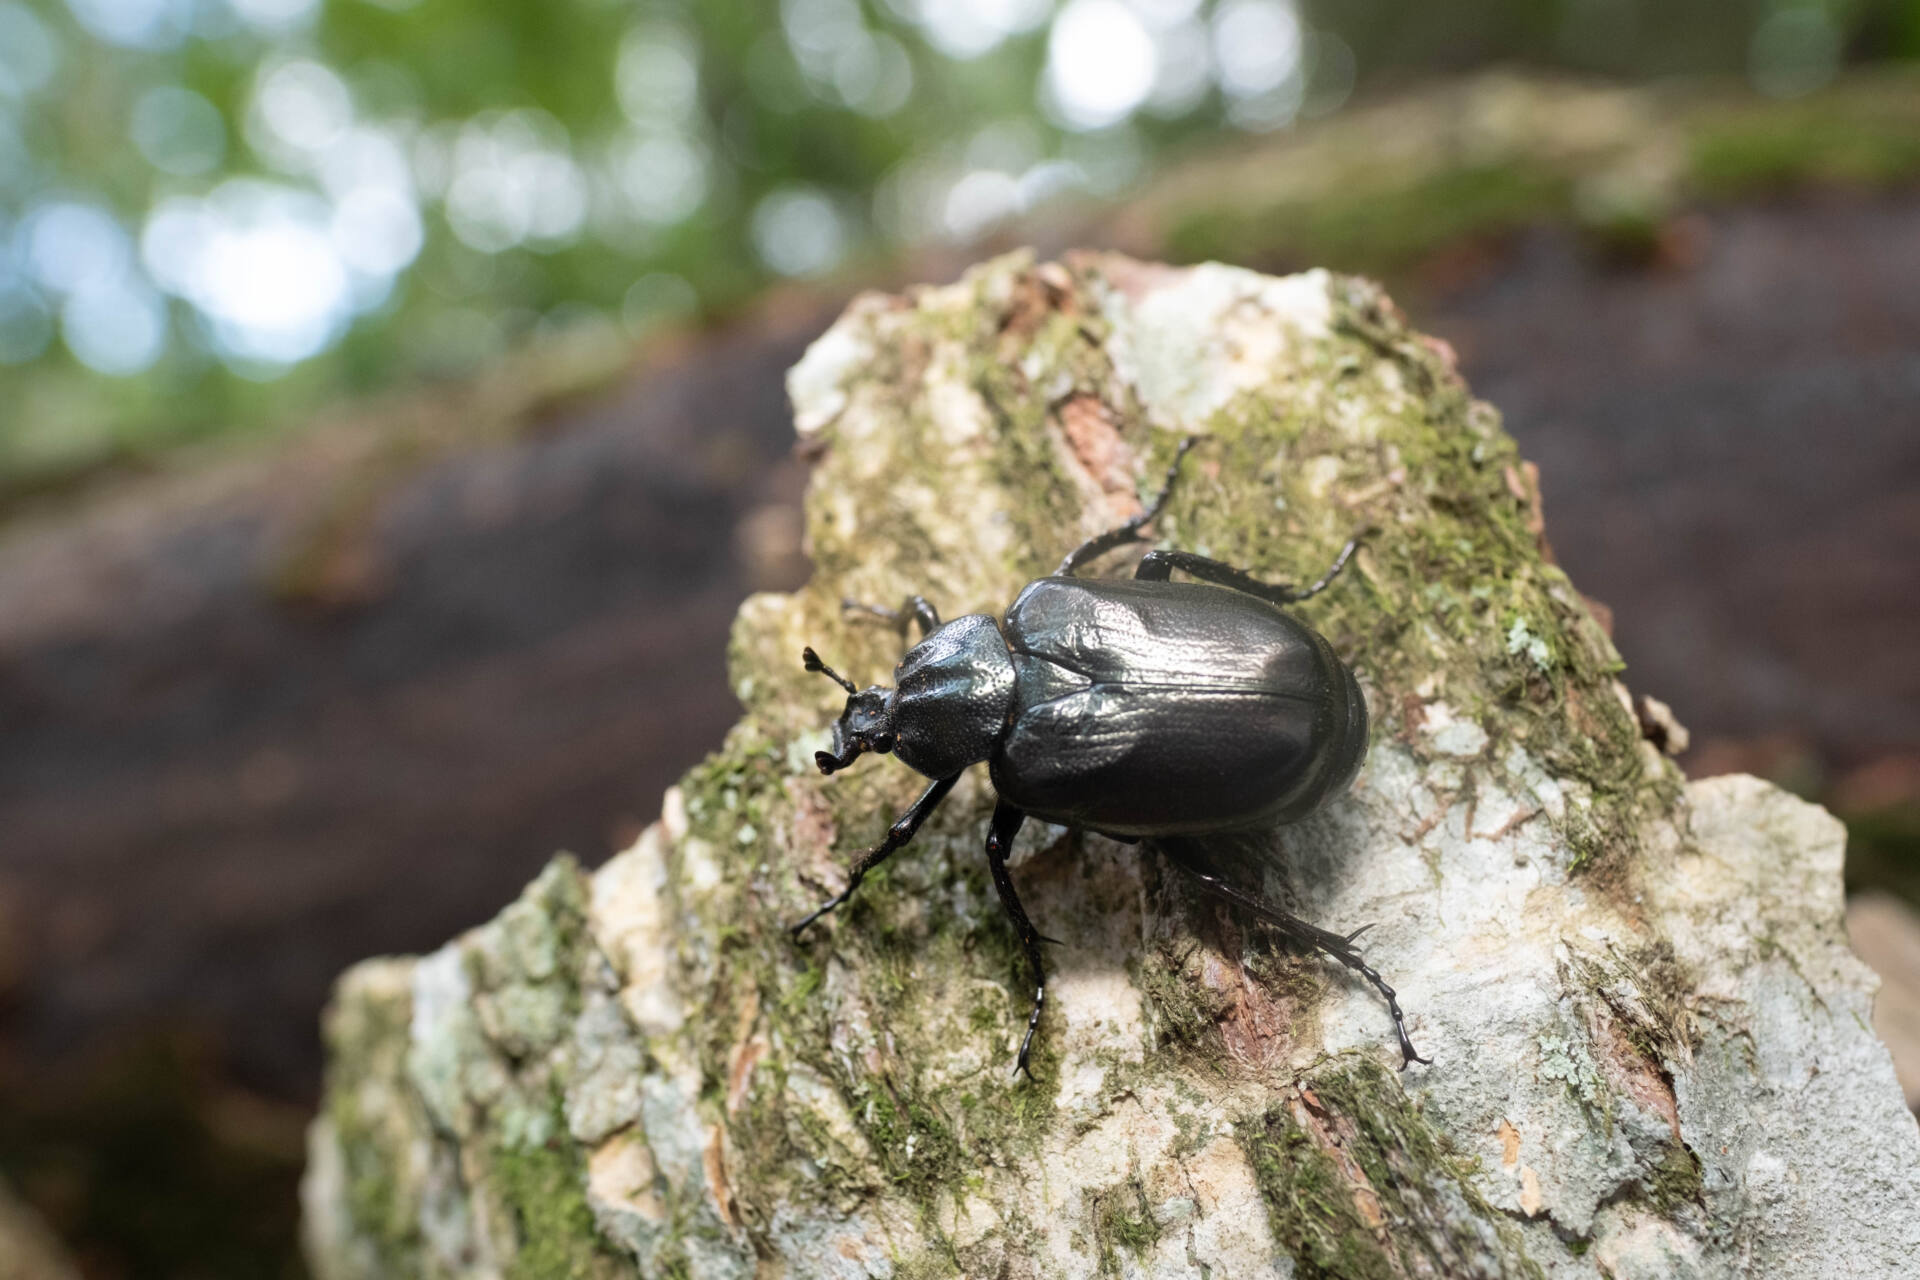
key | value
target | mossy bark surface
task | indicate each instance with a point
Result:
(1650, 1049)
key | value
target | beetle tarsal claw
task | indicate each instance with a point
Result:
(1357, 932)
(797, 929)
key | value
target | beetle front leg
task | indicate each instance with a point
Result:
(898, 834)
(1158, 566)
(1000, 833)
(1339, 946)
(914, 609)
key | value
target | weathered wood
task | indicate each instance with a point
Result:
(1651, 1053)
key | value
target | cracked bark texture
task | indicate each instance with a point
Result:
(1651, 1053)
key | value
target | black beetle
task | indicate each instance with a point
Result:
(1133, 708)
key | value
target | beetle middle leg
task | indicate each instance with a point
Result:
(898, 834)
(1158, 566)
(1338, 945)
(1000, 833)
(914, 609)
(1101, 543)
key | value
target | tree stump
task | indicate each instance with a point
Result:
(1650, 1046)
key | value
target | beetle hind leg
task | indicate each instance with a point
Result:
(1339, 946)
(1000, 833)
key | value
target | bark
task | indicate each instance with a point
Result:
(1651, 1054)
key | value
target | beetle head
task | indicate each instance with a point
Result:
(866, 724)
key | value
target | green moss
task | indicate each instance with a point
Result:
(1675, 1181)
(1311, 1205)
(1186, 1012)
(375, 1199)
(671, 1264)
(1123, 1223)
(1646, 996)
(1605, 169)
(1372, 226)
(1439, 1224)
(1866, 132)
(886, 935)
(932, 1264)
(542, 1188)
(913, 1139)
(366, 1031)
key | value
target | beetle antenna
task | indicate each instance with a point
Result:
(811, 661)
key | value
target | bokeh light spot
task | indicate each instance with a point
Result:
(657, 75)
(1100, 63)
(1331, 72)
(260, 262)
(488, 210)
(874, 76)
(515, 183)
(967, 29)
(798, 232)
(299, 109)
(136, 24)
(377, 231)
(119, 329)
(980, 200)
(275, 16)
(662, 178)
(1256, 44)
(1184, 72)
(72, 247)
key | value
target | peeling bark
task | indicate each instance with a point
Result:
(1651, 1050)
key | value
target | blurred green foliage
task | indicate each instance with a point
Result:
(217, 214)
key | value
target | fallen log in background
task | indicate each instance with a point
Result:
(1650, 1045)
